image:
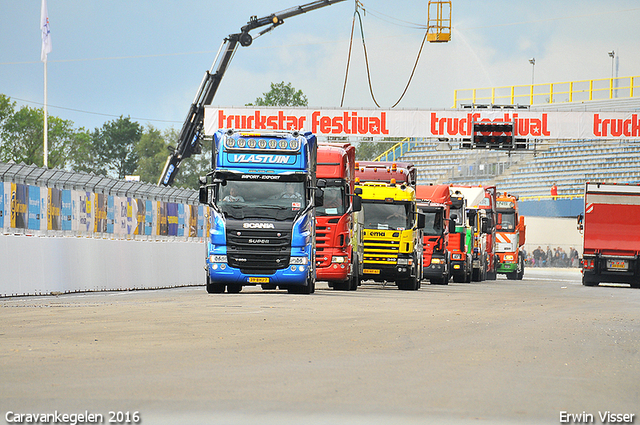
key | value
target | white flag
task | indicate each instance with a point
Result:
(44, 26)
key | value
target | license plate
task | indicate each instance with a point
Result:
(258, 280)
(617, 264)
(371, 271)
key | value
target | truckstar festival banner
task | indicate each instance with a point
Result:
(455, 124)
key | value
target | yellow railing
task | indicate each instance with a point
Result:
(533, 94)
(396, 151)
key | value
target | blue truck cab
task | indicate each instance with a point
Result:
(262, 192)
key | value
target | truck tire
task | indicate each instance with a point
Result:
(214, 288)
(521, 269)
(234, 289)
(589, 281)
(411, 284)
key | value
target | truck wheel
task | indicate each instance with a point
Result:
(341, 286)
(214, 288)
(410, 284)
(475, 275)
(309, 288)
(354, 282)
(439, 281)
(234, 289)
(512, 275)
(521, 271)
(588, 281)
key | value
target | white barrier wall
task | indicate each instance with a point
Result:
(31, 265)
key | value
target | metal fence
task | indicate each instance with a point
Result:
(53, 202)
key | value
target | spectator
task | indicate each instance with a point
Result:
(538, 257)
(554, 190)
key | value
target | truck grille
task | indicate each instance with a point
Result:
(377, 250)
(261, 250)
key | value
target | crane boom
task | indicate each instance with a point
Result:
(189, 141)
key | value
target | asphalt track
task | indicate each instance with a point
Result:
(490, 352)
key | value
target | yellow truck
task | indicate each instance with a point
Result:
(392, 232)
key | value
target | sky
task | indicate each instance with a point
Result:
(146, 59)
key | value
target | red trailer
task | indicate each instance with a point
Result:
(338, 230)
(611, 225)
(384, 171)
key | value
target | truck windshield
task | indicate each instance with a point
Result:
(433, 223)
(333, 201)
(244, 199)
(387, 216)
(506, 221)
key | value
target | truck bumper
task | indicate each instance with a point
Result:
(393, 272)
(292, 275)
(596, 269)
(458, 268)
(437, 270)
(507, 267)
(333, 272)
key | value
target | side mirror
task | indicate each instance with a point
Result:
(358, 191)
(356, 203)
(322, 183)
(452, 225)
(485, 228)
(421, 220)
(203, 195)
(318, 197)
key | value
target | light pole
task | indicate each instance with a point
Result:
(532, 61)
(612, 55)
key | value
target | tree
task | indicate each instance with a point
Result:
(282, 94)
(368, 151)
(152, 153)
(22, 136)
(115, 147)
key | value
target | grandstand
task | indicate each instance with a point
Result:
(567, 163)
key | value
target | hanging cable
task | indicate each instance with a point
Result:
(346, 74)
(366, 58)
(415, 65)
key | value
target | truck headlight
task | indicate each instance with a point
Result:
(217, 258)
(339, 259)
(405, 261)
(298, 260)
(437, 261)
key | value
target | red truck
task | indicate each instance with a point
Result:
(435, 203)
(611, 225)
(338, 230)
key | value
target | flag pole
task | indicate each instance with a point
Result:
(46, 48)
(46, 126)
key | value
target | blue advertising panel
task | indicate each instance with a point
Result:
(34, 208)
(111, 214)
(200, 221)
(172, 219)
(181, 220)
(66, 210)
(148, 221)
